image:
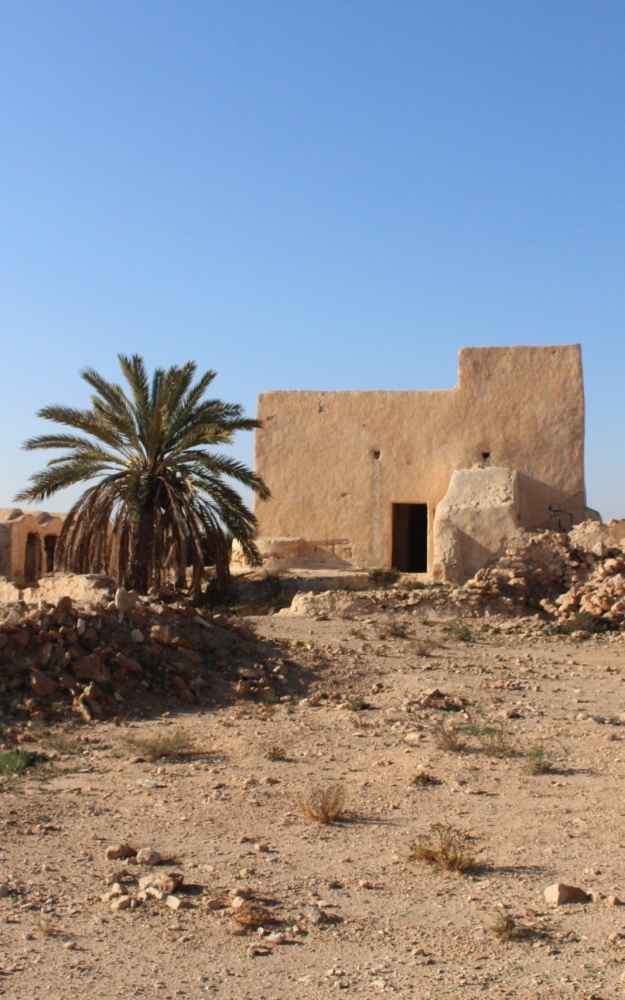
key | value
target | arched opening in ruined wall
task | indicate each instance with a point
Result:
(32, 558)
(49, 547)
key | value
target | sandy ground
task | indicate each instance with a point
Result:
(352, 912)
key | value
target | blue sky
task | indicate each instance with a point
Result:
(328, 194)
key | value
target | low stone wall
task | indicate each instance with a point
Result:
(85, 589)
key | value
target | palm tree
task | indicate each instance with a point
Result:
(160, 495)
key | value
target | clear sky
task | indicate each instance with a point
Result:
(309, 194)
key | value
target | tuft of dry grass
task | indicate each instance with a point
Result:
(445, 846)
(536, 760)
(423, 647)
(168, 746)
(323, 805)
(276, 753)
(507, 929)
(64, 744)
(45, 927)
(494, 740)
(449, 737)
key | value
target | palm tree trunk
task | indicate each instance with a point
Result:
(141, 566)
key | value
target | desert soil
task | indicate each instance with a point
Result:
(347, 908)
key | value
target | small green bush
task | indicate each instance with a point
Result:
(16, 761)
(461, 631)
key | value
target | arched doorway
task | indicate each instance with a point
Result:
(32, 558)
(49, 545)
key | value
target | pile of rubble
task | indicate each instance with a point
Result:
(106, 659)
(564, 574)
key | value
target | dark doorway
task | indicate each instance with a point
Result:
(49, 545)
(32, 558)
(410, 537)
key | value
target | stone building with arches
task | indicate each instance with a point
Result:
(27, 543)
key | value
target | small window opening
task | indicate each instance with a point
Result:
(485, 457)
(376, 455)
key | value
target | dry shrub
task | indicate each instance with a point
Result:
(249, 916)
(423, 779)
(423, 647)
(536, 760)
(45, 927)
(507, 929)
(169, 746)
(448, 736)
(276, 753)
(494, 740)
(323, 805)
(445, 846)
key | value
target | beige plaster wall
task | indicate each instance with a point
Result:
(337, 461)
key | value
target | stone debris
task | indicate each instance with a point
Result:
(559, 893)
(568, 577)
(100, 659)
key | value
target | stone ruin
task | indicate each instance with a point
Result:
(27, 544)
(437, 483)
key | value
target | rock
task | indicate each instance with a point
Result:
(160, 634)
(125, 600)
(262, 848)
(176, 903)
(147, 856)
(81, 625)
(613, 901)
(65, 604)
(120, 851)
(276, 937)
(116, 876)
(215, 904)
(314, 915)
(137, 635)
(413, 737)
(129, 664)
(41, 685)
(258, 950)
(4, 890)
(559, 893)
(247, 634)
(249, 673)
(117, 889)
(91, 668)
(243, 892)
(166, 883)
(121, 903)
